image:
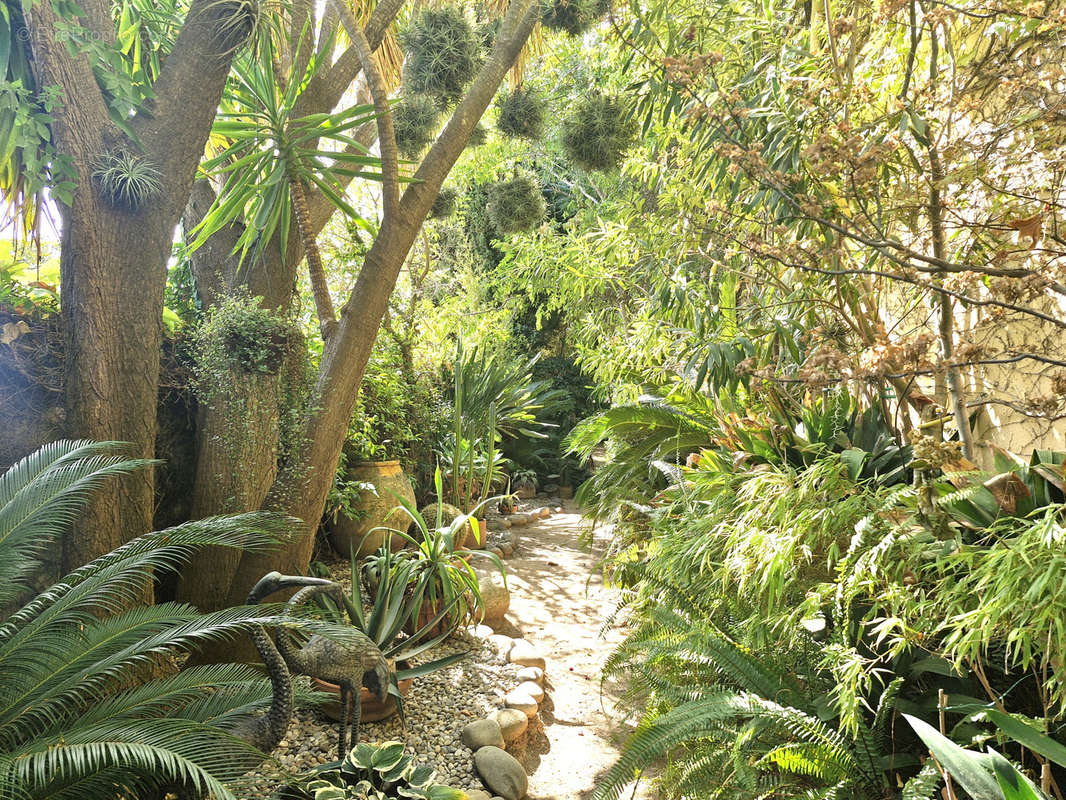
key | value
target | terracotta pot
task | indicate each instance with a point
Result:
(387, 477)
(371, 709)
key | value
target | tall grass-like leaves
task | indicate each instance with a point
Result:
(84, 710)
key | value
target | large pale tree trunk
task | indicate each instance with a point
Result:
(113, 261)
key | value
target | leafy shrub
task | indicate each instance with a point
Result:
(521, 114)
(239, 335)
(516, 205)
(80, 718)
(572, 16)
(597, 134)
(442, 53)
(415, 119)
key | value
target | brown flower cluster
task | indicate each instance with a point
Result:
(886, 357)
(689, 70)
(934, 452)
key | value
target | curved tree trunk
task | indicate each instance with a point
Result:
(302, 486)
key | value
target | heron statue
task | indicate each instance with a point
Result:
(352, 662)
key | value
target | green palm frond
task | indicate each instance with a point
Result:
(42, 494)
(79, 715)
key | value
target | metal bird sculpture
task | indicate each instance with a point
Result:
(266, 731)
(351, 662)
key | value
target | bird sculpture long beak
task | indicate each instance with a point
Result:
(274, 582)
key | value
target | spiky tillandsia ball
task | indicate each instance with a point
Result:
(478, 137)
(515, 205)
(236, 22)
(444, 206)
(598, 133)
(415, 118)
(443, 53)
(126, 180)
(572, 16)
(521, 114)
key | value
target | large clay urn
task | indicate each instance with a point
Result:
(373, 509)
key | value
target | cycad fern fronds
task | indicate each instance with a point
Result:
(78, 716)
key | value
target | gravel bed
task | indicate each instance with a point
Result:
(437, 707)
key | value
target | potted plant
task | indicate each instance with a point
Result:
(451, 584)
(360, 503)
(371, 772)
(508, 502)
(396, 599)
(524, 482)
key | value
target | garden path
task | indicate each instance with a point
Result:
(559, 603)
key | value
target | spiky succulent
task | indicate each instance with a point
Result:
(521, 114)
(598, 133)
(572, 16)
(236, 22)
(126, 180)
(515, 205)
(415, 118)
(478, 137)
(443, 53)
(444, 206)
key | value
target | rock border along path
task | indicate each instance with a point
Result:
(559, 603)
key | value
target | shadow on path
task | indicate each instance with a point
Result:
(559, 603)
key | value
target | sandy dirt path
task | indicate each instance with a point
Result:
(559, 603)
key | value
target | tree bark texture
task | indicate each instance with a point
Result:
(113, 261)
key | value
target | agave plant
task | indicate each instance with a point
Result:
(85, 708)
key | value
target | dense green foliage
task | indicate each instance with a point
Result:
(88, 706)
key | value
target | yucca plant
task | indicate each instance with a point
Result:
(269, 156)
(85, 710)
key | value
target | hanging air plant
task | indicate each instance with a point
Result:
(515, 205)
(415, 118)
(237, 22)
(445, 204)
(573, 16)
(521, 114)
(443, 53)
(478, 137)
(487, 32)
(126, 180)
(598, 133)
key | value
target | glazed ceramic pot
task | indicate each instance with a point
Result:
(373, 510)
(371, 709)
